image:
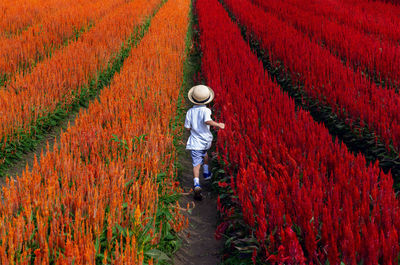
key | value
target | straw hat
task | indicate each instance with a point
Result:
(201, 95)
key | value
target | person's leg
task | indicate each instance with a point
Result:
(206, 172)
(197, 157)
(196, 171)
(196, 182)
(197, 161)
(206, 159)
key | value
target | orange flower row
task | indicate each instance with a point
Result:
(21, 52)
(90, 199)
(56, 81)
(15, 16)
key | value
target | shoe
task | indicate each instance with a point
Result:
(207, 176)
(197, 193)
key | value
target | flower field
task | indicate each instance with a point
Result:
(305, 198)
(324, 77)
(286, 76)
(378, 58)
(19, 53)
(58, 81)
(12, 22)
(372, 18)
(105, 194)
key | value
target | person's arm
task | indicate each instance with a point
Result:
(209, 121)
(216, 124)
(187, 122)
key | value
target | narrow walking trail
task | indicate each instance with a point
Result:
(198, 243)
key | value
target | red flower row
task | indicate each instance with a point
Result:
(323, 75)
(308, 199)
(379, 58)
(375, 18)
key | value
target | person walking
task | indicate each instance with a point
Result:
(198, 121)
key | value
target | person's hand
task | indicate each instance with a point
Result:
(222, 125)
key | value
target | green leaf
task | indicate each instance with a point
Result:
(122, 230)
(97, 245)
(129, 183)
(158, 255)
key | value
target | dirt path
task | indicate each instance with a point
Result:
(198, 243)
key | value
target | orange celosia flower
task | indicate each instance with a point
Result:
(103, 173)
(22, 51)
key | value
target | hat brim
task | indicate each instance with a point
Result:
(190, 96)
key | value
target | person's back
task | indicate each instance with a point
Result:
(200, 134)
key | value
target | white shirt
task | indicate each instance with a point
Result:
(200, 136)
